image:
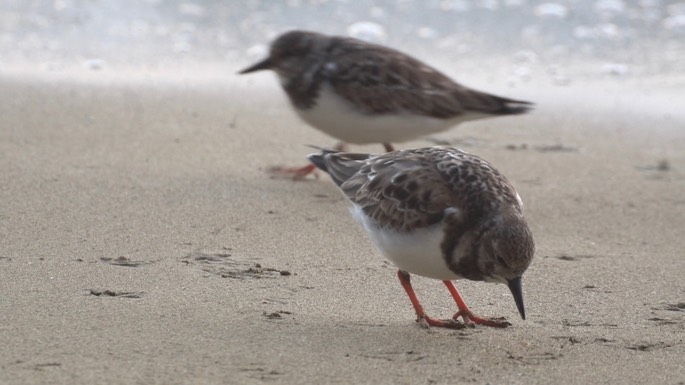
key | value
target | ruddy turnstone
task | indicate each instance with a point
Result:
(363, 93)
(440, 213)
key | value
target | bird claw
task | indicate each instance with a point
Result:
(426, 322)
(471, 320)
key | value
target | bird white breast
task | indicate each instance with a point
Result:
(417, 252)
(338, 118)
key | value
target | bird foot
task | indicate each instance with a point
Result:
(471, 320)
(296, 173)
(427, 322)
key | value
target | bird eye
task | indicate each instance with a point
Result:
(500, 260)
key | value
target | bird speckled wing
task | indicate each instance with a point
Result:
(381, 80)
(406, 190)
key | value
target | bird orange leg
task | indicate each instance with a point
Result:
(469, 318)
(298, 173)
(388, 147)
(294, 172)
(420, 314)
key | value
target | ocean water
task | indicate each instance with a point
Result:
(552, 41)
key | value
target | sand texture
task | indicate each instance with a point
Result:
(142, 242)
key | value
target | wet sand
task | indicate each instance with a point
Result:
(143, 242)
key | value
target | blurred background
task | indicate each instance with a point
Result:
(552, 42)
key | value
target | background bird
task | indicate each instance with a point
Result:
(362, 93)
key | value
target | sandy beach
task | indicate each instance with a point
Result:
(143, 242)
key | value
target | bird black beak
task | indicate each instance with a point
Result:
(517, 292)
(262, 65)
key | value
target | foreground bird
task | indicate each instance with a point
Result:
(440, 213)
(363, 93)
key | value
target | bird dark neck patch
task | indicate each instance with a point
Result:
(304, 88)
(466, 264)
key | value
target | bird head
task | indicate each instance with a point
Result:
(288, 54)
(506, 250)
